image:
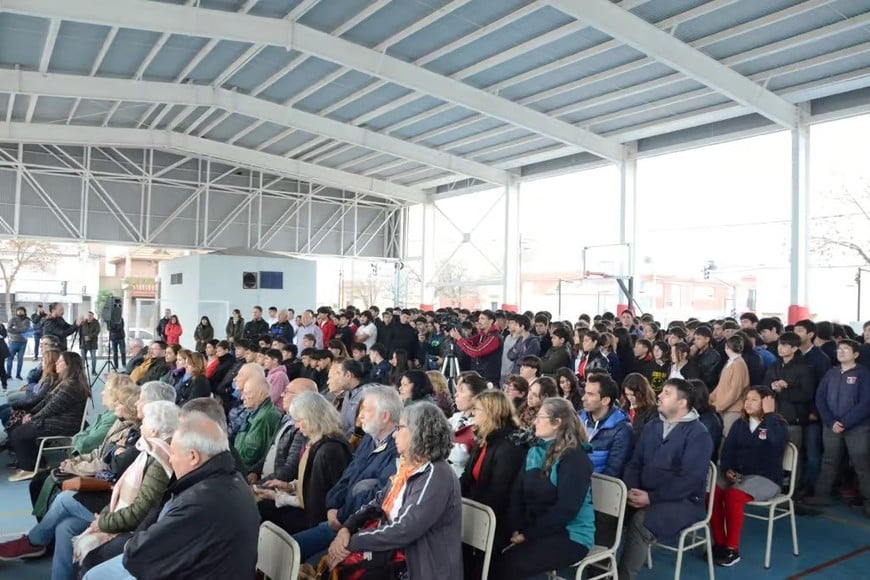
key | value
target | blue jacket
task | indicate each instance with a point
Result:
(368, 473)
(845, 397)
(756, 453)
(767, 357)
(673, 471)
(611, 441)
(542, 507)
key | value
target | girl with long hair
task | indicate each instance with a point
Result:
(552, 518)
(569, 387)
(639, 402)
(750, 469)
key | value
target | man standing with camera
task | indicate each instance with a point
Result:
(484, 348)
(36, 320)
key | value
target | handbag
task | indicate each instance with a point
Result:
(388, 565)
(86, 484)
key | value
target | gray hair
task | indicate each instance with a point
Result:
(162, 416)
(209, 407)
(431, 434)
(321, 416)
(137, 341)
(197, 432)
(386, 400)
(157, 391)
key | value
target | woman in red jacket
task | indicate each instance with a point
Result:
(173, 331)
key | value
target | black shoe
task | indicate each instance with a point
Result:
(19, 377)
(729, 557)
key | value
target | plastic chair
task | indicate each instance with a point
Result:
(774, 511)
(478, 530)
(609, 497)
(701, 526)
(278, 554)
(46, 443)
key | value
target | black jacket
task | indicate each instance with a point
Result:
(289, 442)
(209, 531)
(501, 466)
(327, 460)
(795, 402)
(404, 337)
(60, 412)
(596, 362)
(755, 365)
(158, 369)
(707, 365)
(37, 319)
(161, 328)
(60, 328)
(254, 329)
(224, 389)
(225, 363)
(116, 330)
(554, 359)
(192, 388)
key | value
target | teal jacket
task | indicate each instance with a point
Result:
(543, 507)
(92, 436)
(253, 440)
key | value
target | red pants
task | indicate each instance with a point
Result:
(726, 521)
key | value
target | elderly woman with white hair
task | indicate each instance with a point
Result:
(301, 504)
(420, 511)
(139, 489)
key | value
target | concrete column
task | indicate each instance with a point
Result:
(511, 267)
(800, 178)
(628, 214)
(429, 267)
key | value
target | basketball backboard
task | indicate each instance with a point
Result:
(607, 261)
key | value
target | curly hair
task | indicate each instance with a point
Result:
(570, 434)
(431, 434)
(125, 392)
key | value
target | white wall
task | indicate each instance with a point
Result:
(212, 286)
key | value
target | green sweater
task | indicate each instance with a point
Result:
(253, 440)
(93, 435)
(154, 484)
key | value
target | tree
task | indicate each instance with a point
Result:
(371, 290)
(449, 282)
(846, 231)
(16, 254)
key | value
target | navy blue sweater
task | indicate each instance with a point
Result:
(368, 473)
(673, 472)
(756, 453)
(845, 397)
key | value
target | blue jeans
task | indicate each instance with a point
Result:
(93, 356)
(15, 348)
(813, 448)
(66, 518)
(110, 570)
(314, 541)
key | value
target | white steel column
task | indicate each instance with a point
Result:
(511, 270)
(800, 177)
(628, 214)
(428, 269)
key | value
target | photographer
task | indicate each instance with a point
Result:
(484, 348)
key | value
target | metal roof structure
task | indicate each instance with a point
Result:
(285, 120)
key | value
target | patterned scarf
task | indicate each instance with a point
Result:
(125, 491)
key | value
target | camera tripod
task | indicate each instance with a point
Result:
(450, 369)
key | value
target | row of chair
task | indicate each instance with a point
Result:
(279, 555)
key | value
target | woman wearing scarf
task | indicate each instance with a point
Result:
(420, 511)
(138, 490)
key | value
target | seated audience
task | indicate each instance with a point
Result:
(301, 504)
(58, 413)
(469, 385)
(493, 467)
(420, 512)
(539, 389)
(154, 366)
(415, 386)
(276, 374)
(708, 416)
(170, 542)
(137, 491)
(194, 384)
(751, 470)
(640, 403)
(551, 512)
(281, 462)
(255, 436)
(517, 390)
(443, 397)
(666, 476)
(606, 425)
(367, 474)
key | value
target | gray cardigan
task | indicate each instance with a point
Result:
(428, 526)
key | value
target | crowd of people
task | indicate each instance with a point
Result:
(351, 431)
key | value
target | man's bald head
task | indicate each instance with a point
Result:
(297, 387)
(247, 372)
(255, 391)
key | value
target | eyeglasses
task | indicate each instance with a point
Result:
(399, 427)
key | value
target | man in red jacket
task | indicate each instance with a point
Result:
(484, 348)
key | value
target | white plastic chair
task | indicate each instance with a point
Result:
(774, 511)
(278, 554)
(700, 527)
(609, 497)
(63, 441)
(478, 530)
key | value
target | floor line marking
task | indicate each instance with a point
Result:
(829, 563)
(846, 521)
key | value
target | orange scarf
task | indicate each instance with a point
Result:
(397, 484)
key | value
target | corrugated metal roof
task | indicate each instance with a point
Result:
(528, 53)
